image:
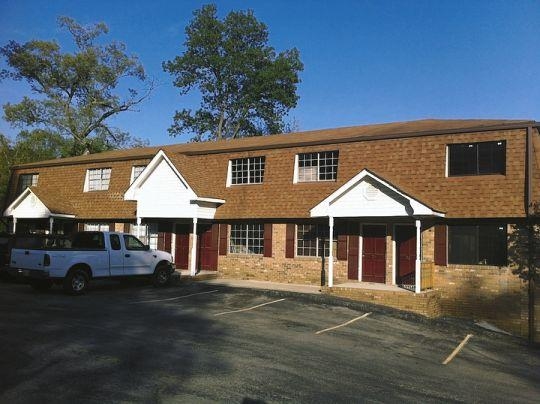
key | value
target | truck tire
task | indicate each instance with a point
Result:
(41, 285)
(76, 281)
(162, 275)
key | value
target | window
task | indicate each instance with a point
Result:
(247, 170)
(477, 245)
(27, 180)
(135, 172)
(321, 166)
(312, 240)
(147, 233)
(115, 242)
(97, 179)
(91, 240)
(96, 227)
(133, 243)
(247, 239)
(477, 158)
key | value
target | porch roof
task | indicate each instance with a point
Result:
(33, 204)
(368, 195)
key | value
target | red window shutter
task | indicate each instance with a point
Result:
(441, 245)
(223, 234)
(268, 239)
(289, 240)
(126, 227)
(352, 264)
(111, 226)
(161, 241)
(342, 247)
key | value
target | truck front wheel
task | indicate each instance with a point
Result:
(76, 281)
(162, 275)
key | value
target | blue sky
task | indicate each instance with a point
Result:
(364, 61)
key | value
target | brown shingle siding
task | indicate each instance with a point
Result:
(416, 165)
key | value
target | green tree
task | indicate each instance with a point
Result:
(76, 93)
(246, 88)
(30, 146)
(524, 257)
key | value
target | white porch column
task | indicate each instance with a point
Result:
(193, 261)
(418, 263)
(331, 254)
(51, 224)
(14, 225)
(139, 221)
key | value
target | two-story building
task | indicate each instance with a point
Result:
(416, 215)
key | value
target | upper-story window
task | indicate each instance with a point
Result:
(320, 166)
(97, 179)
(477, 158)
(27, 180)
(135, 172)
(247, 170)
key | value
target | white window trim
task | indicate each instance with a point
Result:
(295, 172)
(229, 175)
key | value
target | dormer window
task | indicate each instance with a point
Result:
(27, 180)
(97, 179)
(319, 166)
(248, 170)
(135, 172)
(477, 158)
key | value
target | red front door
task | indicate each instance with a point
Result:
(181, 251)
(374, 253)
(207, 251)
(406, 254)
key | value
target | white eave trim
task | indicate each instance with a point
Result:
(209, 200)
(61, 215)
(9, 210)
(323, 209)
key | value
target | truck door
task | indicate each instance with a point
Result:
(116, 256)
(138, 259)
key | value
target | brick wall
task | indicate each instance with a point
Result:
(304, 270)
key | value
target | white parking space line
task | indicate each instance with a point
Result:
(344, 324)
(249, 308)
(458, 348)
(174, 298)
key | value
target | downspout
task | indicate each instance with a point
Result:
(530, 236)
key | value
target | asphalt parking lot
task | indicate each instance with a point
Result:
(205, 343)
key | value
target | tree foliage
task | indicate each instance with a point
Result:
(524, 247)
(75, 92)
(246, 88)
(30, 146)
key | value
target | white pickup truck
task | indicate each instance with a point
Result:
(92, 255)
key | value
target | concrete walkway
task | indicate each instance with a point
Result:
(210, 278)
(289, 287)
